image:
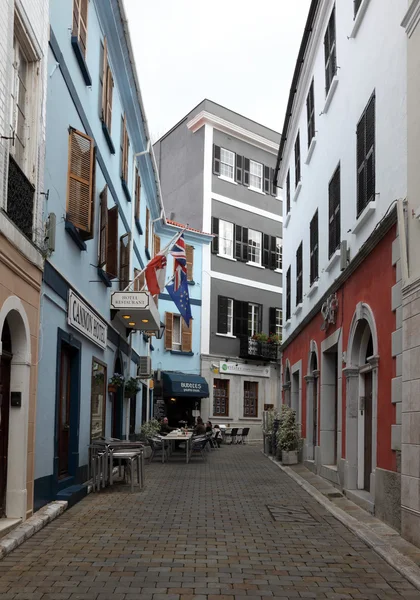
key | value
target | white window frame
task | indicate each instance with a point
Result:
(223, 238)
(279, 255)
(257, 247)
(175, 345)
(279, 321)
(28, 47)
(254, 309)
(230, 317)
(256, 166)
(231, 155)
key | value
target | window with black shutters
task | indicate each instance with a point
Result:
(310, 109)
(241, 243)
(313, 231)
(334, 229)
(240, 318)
(267, 183)
(216, 159)
(357, 4)
(221, 397)
(275, 321)
(288, 192)
(224, 315)
(288, 294)
(299, 274)
(330, 52)
(239, 168)
(366, 157)
(297, 160)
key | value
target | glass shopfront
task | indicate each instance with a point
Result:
(98, 400)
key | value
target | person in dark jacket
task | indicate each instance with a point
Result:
(209, 426)
(164, 426)
(199, 428)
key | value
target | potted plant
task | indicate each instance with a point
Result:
(275, 338)
(260, 337)
(288, 436)
(150, 428)
(131, 387)
(115, 382)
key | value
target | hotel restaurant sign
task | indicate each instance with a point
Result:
(85, 321)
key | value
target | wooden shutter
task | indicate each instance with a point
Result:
(273, 253)
(103, 227)
(104, 80)
(216, 159)
(288, 192)
(139, 282)
(288, 294)
(76, 17)
(239, 167)
(80, 187)
(267, 186)
(297, 160)
(186, 336)
(330, 52)
(124, 260)
(222, 314)
(272, 320)
(266, 251)
(138, 194)
(169, 326)
(112, 247)
(189, 250)
(313, 234)
(80, 16)
(357, 4)
(259, 317)
(310, 112)
(241, 243)
(125, 150)
(147, 228)
(299, 275)
(334, 228)
(246, 171)
(109, 93)
(240, 318)
(156, 244)
(370, 151)
(273, 183)
(215, 232)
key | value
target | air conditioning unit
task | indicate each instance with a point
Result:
(144, 370)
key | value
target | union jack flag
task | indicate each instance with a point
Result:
(180, 262)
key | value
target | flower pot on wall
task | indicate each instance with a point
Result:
(112, 388)
(289, 457)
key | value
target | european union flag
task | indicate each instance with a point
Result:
(181, 298)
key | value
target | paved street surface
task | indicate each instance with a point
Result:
(232, 528)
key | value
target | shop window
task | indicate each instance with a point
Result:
(221, 397)
(98, 400)
(250, 399)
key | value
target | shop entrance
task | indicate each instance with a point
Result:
(179, 410)
(5, 363)
(117, 406)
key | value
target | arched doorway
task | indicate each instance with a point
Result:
(362, 389)
(5, 369)
(312, 381)
(118, 404)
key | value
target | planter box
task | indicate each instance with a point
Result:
(289, 458)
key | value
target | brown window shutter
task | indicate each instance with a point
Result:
(139, 282)
(186, 337)
(104, 80)
(76, 17)
(169, 321)
(103, 227)
(138, 193)
(112, 248)
(83, 25)
(189, 250)
(156, 245)
(124, 260)
(147, 228)
(80, 187)
(124, 162)
(110, 88)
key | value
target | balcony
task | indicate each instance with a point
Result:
(252, 349)
(20, 199)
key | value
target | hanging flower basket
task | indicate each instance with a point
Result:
(112, 388)
(131, 388)
(115, 382)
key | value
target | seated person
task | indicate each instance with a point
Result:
(164, 426)
(199, 429)
(218, 435)
(209, 426)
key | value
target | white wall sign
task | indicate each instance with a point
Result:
(241, 369)
(129, 300)
(84, 320)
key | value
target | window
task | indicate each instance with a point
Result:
(288, 295)
(221, 397)
(80, 15)
(313, 234)
(310, 109)
(330, 53)
(80, 184)
(240, 318)
(254, 245)
(139, 280)
(357, 4)
(366, 157)
(227, 163)
(297, 160)
(156, 244)
(226, 239)
(288, 193)
(107, 82)
(275, 321)
(250, 399)
(241, 243)
(98, 400)
(125, 149)
(103, 228)
(299, 268)
(334, 234)
(254, 319)
(224, 315)
(279, 254)
(124, 260)
(189, 251)
(256, 175)
(178, 337)
(137, 194)
(112, 243)
(20, 101)
(146, 240)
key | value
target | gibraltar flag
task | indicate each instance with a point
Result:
(156, 274)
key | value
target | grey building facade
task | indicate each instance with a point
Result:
(216, 172)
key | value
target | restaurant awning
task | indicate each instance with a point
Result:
(181, 384)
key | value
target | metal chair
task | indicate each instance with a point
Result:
(132, 457)
(245, 432)
(157, 445)
(233, 434)
(198, 445)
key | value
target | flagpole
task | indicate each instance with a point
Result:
(162, 252)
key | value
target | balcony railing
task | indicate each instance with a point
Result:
(20, 199)
(251, 348)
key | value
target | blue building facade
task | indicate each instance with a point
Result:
(105, 218)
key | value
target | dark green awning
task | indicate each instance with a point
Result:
(182, 384)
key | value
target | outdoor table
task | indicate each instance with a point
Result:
(111, 445)
(180, 437)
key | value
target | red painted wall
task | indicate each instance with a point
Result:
(370, 283)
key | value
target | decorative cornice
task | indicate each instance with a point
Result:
(206, 118)
(309, 378)
(412, 18)
(373, 361)
(287, 386)
(349, 372)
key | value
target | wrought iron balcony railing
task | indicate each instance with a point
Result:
(251, 348)
(20, 199)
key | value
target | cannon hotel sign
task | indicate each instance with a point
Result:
(85, 321)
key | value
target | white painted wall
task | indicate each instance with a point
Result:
(373, 60)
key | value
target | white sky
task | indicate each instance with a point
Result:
(239, 54)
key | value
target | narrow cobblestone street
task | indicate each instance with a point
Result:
(233, 527)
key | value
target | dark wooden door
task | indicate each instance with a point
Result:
(315, 414)
(133, 414)
(368, 431)
(4, 427)
(64, 413)
(144, 405)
